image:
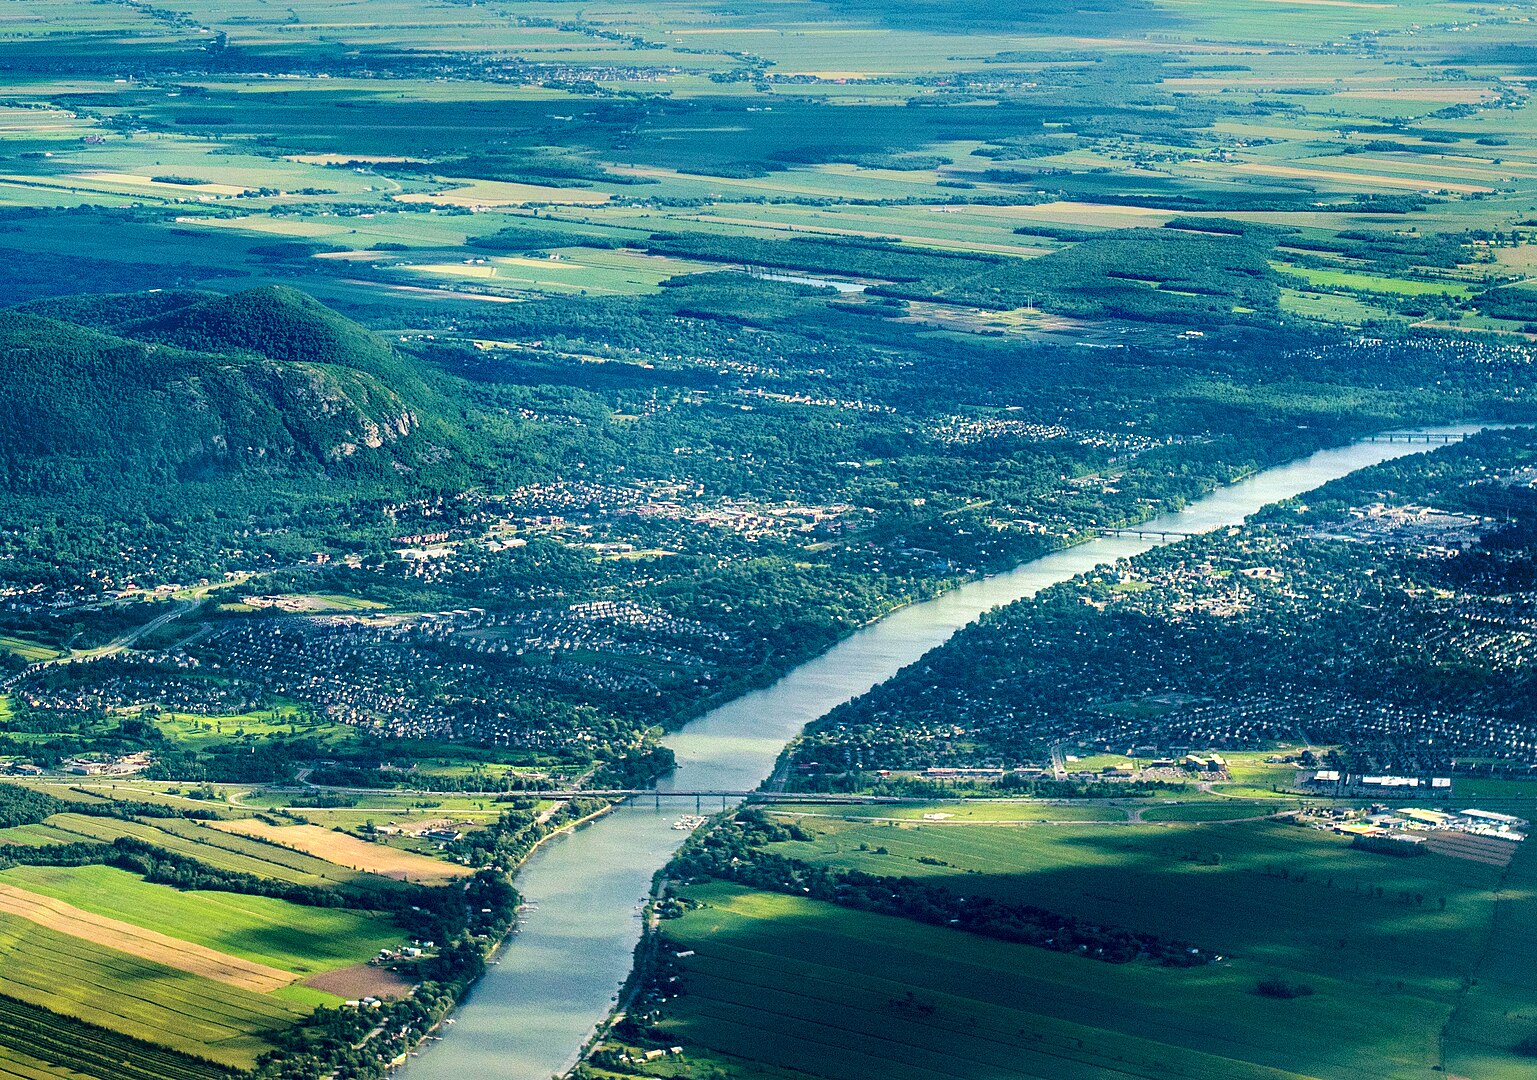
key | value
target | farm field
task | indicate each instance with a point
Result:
(570, 271)
(220, 850)
(37, 834)
(296, 939)
(730, 151)
(29, 651)
(137, 997)
(1215, 810)
(349, 851)
(165, 949)
(39, 1045)
(801, 984)
(136, 941)
(966, 811)
(836, 993)
(1186, 880)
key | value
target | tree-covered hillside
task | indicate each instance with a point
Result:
(266, 382)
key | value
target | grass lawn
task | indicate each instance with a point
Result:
(199, 732)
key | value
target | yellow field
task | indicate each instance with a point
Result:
(343, 159)
(1079, 213)
(29, 651)
(136, 941)
(134, 180)
(501, 193)
(1357, 179)
(349, 851)
(261, 224)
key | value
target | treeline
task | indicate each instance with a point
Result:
(506, 842)
(868, 258)
(825, 778)
(733, 852)
(523, 167)
(25, 806)
(636, 769)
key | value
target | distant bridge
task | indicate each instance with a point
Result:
(1142, 533)
(1414, 437)
(700, 797)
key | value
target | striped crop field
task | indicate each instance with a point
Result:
(137, 997)
(219, 850)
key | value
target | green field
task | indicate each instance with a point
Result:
(973, 811)
(199, 732)
(1187, 880)
(30, 651)
(138, 998)
(1386, 949)
(40, 1045)
(844, 994)
(300, 939)
(111, 975)
(37, 834)
(1378, 284)
(1217, 810)
(218, 849)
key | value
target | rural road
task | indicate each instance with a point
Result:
(117, 645)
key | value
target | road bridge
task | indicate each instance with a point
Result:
(1142, 533)
(703, 796)
(700, 795)
(1415, 437)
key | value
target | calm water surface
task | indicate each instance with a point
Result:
(559, 976)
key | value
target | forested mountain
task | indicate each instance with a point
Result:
(276, 322)
(156, 389)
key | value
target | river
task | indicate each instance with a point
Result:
(558, 978)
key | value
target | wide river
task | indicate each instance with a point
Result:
(558, 978)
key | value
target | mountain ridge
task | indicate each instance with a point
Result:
(113, 391)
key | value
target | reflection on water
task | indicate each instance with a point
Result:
(557, 979)
(819, 282)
